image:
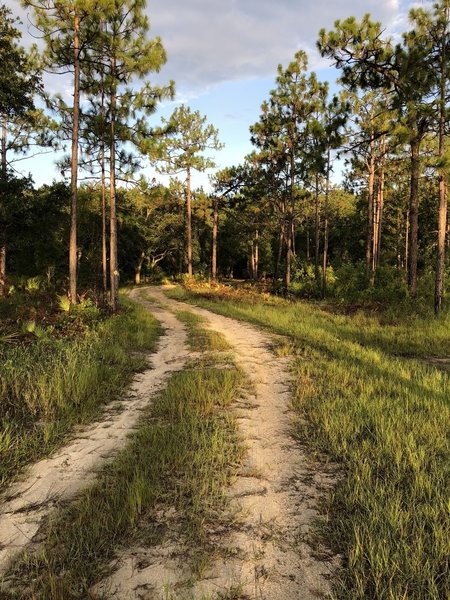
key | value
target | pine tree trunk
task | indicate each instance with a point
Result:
(256, 255)
(317, 232)
(4, 132)
(279, 253)
(325, 226)
(189, 221)
(308, 244)
(74, 164)
(290, 223)
(2, 270)
(406, 242)
(3, 246)
(414, 217)
(287, 274)
(374, 234)
(113, 263)
(370, 202)
(380, 213)
(103, 200)
(214, 239)
(442, 211)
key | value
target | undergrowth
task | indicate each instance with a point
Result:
(51, 382)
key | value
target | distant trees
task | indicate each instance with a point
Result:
(181, 150)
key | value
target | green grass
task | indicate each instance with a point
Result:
(182, 456)
(200, 338)
(385, 419)
(52, 383)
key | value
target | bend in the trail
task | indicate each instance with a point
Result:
(58, 479)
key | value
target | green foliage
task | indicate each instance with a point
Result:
(187, 137)
(18, 80)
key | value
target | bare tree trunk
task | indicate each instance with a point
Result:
(406, 242)
(370, 198)
(414, 217)
(317, 231)
(442, 211)
(113, 263)
(308, 246)
(325, 226)
(380, 213)
(74, 163)
(137, 273)
(214, 239)
(3, 245)
(189, 221)
(256, 255)
(103, 197)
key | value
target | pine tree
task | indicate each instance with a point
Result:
(127, 53)
(182, 151)
(370, 62)
(432, 31)
(281, 134)
(67, 28)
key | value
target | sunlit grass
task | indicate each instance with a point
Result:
(53, 383)
(385, 419)
(199, 337)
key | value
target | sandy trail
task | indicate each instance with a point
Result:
(55, 480)
(265, 554)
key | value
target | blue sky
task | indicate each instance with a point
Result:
(223, 54)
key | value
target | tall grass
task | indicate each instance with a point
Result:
(385, 419)
(53, 383)
(182, 456)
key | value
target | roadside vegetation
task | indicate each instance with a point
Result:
(181, 457)
(59, 367)
(367, 398)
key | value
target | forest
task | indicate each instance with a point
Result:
(308, 280)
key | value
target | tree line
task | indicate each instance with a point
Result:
(279, 214)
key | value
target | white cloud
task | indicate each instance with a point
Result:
(211, 41)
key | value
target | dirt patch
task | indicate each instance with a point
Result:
(440, 362)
